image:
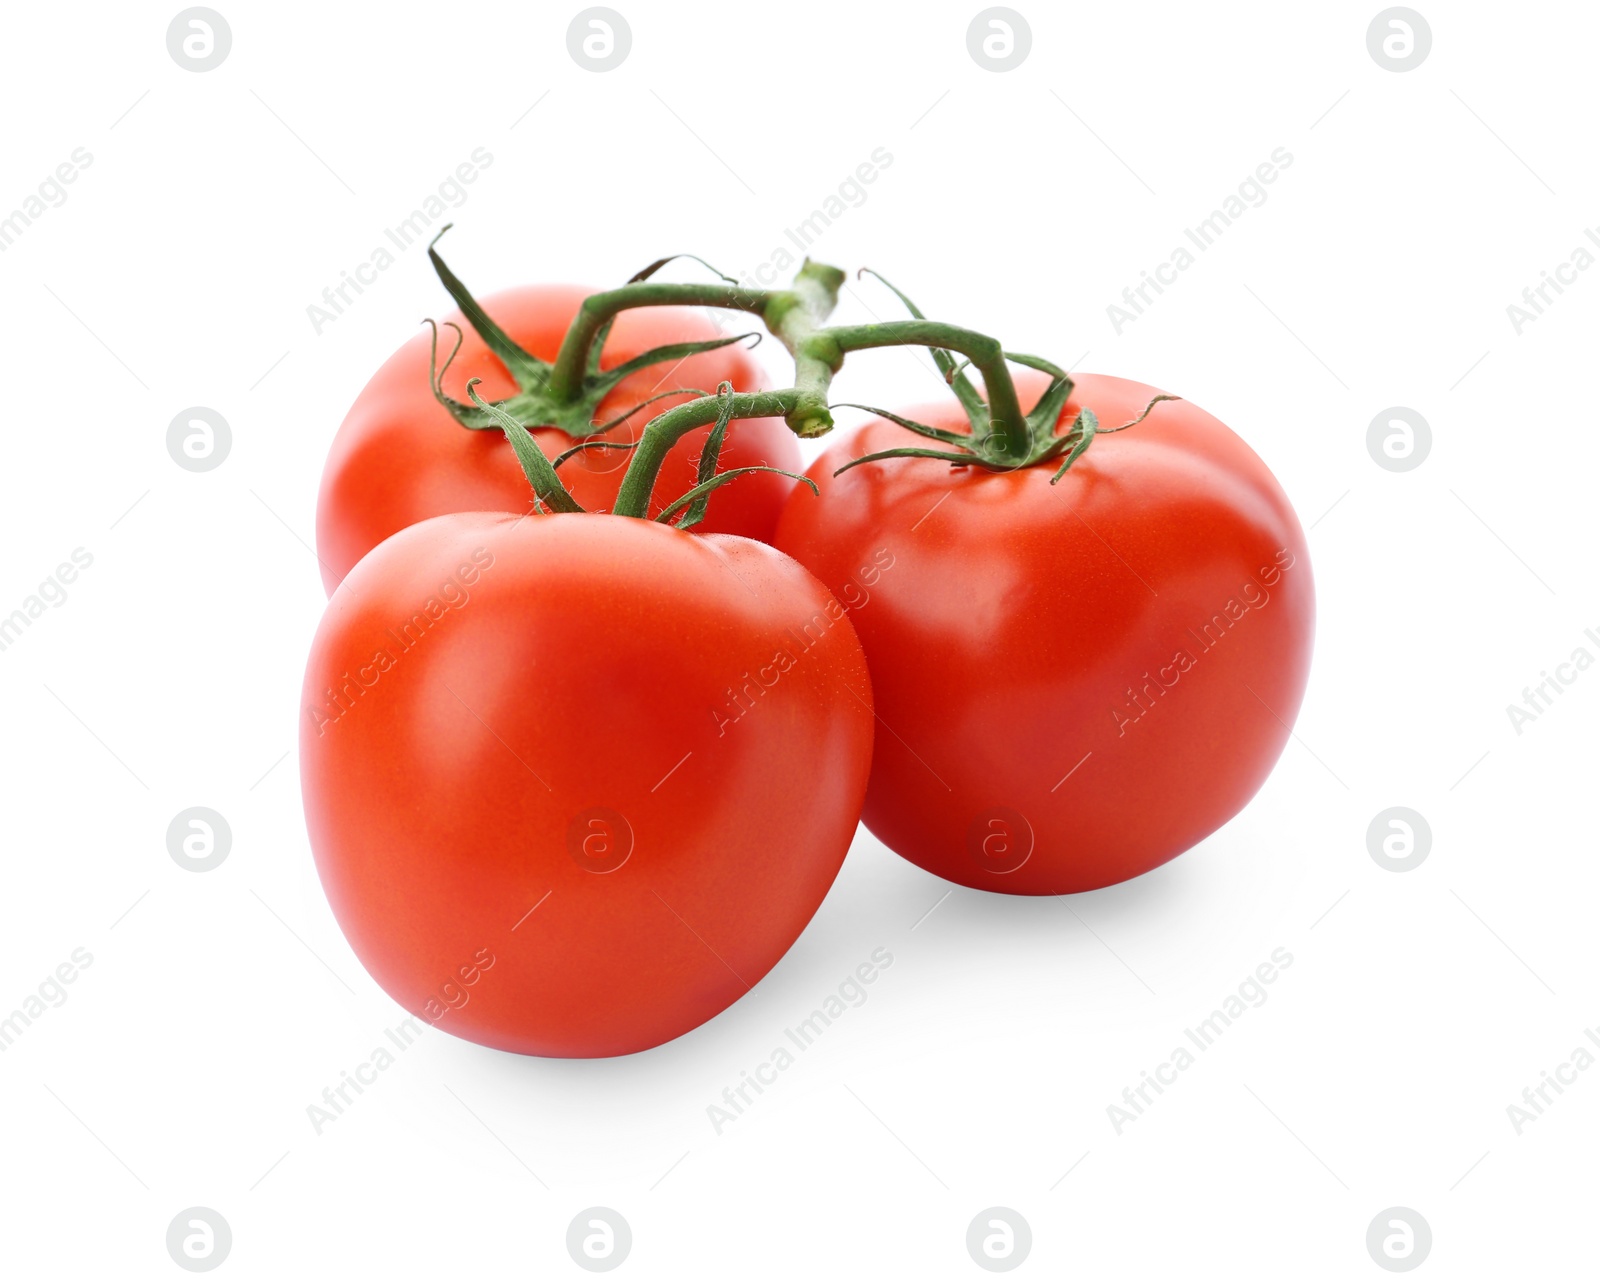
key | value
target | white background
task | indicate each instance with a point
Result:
(218, 1006)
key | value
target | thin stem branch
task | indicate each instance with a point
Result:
(667, 429)
(1008, 428)
(795, 316)
(598, 310)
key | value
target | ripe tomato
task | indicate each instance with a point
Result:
(1076, 682)
(400, 457)
(574, 783)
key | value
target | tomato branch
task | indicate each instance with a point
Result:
(1008, 437)
(566, 392)
(1002, 435)
(579, 349)
(666, 430)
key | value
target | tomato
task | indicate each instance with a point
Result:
(1075, 682)
(400, 457)
(575, 782)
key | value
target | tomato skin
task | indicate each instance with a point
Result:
(1024, 645)
(399, 456)
(569, 663)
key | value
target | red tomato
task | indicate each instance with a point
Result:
(400, 457)
(574, 783)
(1076, 682)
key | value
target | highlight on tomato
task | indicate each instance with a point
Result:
(575, 782)
(582, 371)
(1084, 660)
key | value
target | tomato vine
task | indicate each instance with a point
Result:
(566, 392)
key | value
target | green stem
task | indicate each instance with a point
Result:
(598, 310)
(1008, 428)
(795, 316)
(792, 314)
(666, 430)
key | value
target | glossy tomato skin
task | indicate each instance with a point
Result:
(1075, 683)
(501, 708)
(399, 456)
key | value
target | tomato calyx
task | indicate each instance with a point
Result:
(566, 393)
(1000, 437)
(548, 491)
(968, 451)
